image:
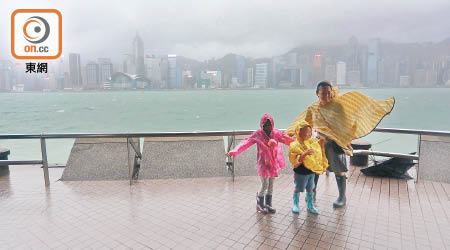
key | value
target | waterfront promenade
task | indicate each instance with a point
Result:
(215, 213)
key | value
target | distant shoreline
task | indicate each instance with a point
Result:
(219, 89)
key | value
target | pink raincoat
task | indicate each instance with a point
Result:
(270, 151)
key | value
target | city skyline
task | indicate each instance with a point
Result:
(354, 64)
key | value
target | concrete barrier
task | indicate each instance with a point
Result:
(183, 157)
(434, 159)
(99, 159)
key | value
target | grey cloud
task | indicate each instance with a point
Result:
(205, 29)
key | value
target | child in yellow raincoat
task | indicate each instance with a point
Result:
(307, 155)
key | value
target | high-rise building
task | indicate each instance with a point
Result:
(404, 81)
(341, 73)
(318, 74)
(92, 76)
(128, 65)
(153, 67)
(373, 63)
(306, 71)
(402, 68)
(261, 75)
(188, 81)
(443, 69)
(138, 55)
(250, 78)
(330, 73)
(354, 78)
(75, 71)
(164, 72)
(172, 72)
(352, 62)
(240, 69)
(210, 79)
(277, 68)
(6, 75)
(105, 68)
(60, 75)
(51, 81)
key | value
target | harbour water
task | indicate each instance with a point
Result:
(158, 111)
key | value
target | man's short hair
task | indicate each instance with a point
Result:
(323, 84)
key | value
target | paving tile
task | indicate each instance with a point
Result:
(215, 213)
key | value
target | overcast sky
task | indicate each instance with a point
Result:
(211, 28)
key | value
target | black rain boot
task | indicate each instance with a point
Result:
(269, 207)
(341, 183)
(260, 204)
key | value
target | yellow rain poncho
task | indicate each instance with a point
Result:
(317, 162)
(346, 117)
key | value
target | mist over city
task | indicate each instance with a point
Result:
(233, 44)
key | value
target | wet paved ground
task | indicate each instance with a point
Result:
(215, 213)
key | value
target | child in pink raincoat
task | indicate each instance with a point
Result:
(270, 158)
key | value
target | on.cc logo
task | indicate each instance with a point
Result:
(36, 34)
(39, 29)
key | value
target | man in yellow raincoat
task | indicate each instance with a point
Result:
(339, 119)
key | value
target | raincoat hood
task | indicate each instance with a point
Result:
(264, 118)
(317, 162)
(299, 126)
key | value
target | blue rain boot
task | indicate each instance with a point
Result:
(310, 203)
(296, 197)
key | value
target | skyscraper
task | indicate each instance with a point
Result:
(153, 70)
(277, 68)
(240, 68)
(6, 75)
(330, 73)
(373, 57)
(340, 73)
(105, 68)
(138, 55)
(261, 75)
(352, 62)
(172, 72)
(250, 78)
(75, 71)
(60, 75)
(92, 75)
(318, 74)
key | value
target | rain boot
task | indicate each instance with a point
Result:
(296, 197)
(269, 207)
(341, 183)
(310, 203)
(260, 204)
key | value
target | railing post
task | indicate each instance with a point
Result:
(419, 138)
(44, 161)
(230, 160)
(130, 168)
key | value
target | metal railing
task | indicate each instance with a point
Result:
(231, 135)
